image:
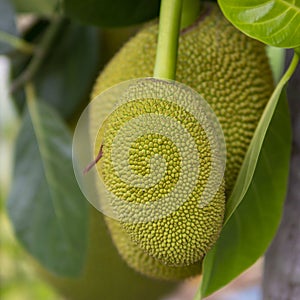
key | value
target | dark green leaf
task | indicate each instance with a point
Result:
(45, 7)
(47, 209)
(249, 231)
(66, 78)
(274, 22)
(112, 13)
(7, 25)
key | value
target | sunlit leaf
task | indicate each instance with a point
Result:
(274, 22)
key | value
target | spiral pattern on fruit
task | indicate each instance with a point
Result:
(161, 145)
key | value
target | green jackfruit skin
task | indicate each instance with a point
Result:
(144, 263)
(171, 244)
(182, 237)
(231, 72)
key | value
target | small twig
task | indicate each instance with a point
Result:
(39, 55)
(93, 163)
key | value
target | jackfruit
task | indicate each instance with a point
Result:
(156, 126)
(231, 72)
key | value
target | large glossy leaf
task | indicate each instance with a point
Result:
(7, 25)
(251, 228)
(274, 22)
(46, 207)
(112, 13)
(254, 207)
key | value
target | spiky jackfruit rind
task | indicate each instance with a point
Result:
(182, 129)
(229, 69)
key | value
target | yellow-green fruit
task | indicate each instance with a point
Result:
(231, 72)
(181, 236)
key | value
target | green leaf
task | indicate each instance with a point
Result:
(254, 208)
(66, 78)
(36, 6)
(251, 158)
(48, 212)
(8, 26)
(112, 13)
(248, 233)
(273, 22)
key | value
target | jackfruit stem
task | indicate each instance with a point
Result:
(167, 45)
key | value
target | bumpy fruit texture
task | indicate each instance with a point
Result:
(231, 72)
(180, 237)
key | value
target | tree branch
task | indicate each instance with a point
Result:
(39, 56)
